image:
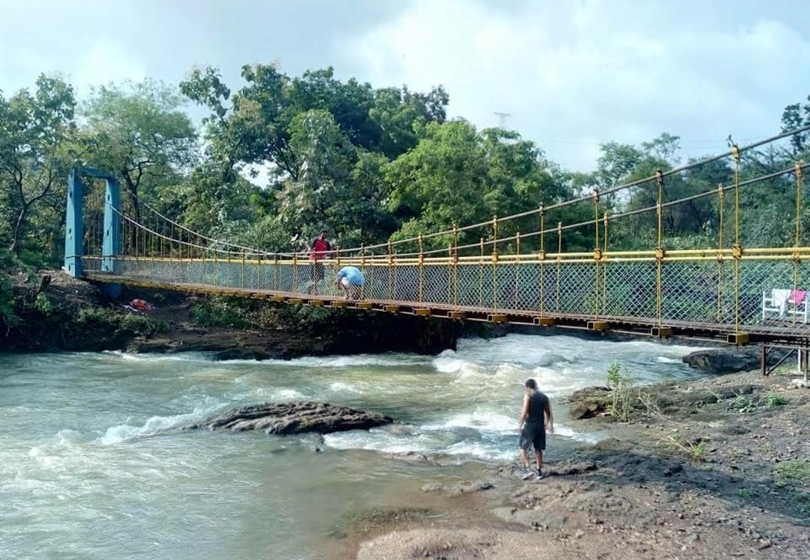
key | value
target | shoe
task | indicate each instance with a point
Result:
(539, 474)
(527, 474)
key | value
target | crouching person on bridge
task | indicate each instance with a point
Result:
(350, 281)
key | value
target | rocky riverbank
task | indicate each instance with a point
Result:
(65, 314)
(717, 468)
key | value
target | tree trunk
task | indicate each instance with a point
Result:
(14, 248)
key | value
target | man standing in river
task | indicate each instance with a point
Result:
(535, 420)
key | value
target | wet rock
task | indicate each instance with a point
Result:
(240, 354)
(720, 361)
(295, 417)
(571, 469)
(411, 456)
(589, 402)
(470, 486)
(434, 487)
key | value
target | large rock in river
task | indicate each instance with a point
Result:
(720, 361)
(295, 417)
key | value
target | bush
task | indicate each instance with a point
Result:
(142, 325)
(773, 400)
(98, 318)
(43, 304)
(622, 390)
(220, 312)
(95, 318)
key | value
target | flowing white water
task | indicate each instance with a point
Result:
(93, 463)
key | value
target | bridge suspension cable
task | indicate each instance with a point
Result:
(613, 217)
(239, 249)
(612, 190)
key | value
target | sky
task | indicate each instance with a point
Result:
(568, 75)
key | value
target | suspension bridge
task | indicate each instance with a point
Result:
(513, 271)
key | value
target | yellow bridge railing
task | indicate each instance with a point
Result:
(689, 291)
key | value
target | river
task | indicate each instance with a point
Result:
(93, 464)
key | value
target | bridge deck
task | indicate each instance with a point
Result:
(787, 331)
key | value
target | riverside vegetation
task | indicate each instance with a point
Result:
(368, 164)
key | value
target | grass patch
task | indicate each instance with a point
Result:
(793, 471)
(803, 500)
(622, 392)
(695, 451)
(742, 404)
(747, 493)
(774, 400)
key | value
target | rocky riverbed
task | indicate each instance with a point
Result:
(718, 468)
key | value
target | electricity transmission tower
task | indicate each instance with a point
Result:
(502, 118)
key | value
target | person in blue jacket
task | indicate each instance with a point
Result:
(350, 281)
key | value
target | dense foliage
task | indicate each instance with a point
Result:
(284, 156)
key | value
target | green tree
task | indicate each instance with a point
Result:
(456, 175)
(35, 130)
(796, 116)
(140, 133)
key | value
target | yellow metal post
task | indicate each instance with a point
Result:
(597, 254)
(559, 262)
(542, 257)
(517, 270)
(455, 265)
(798, 174)
(363, 270)
(242, 270)
(295, 273)
(275, 272)
(659, 251)
(216, 268)
(449, 273)
(721, 202)
(481, 275)
(421, 269)
(737, 248)
(495, 263)
(604, 262)
(390, 271)
(797, 240)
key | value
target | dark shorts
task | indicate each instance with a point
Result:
(316, 269)
(533, 435)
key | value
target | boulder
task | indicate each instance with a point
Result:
(589, 402)
(720, 361)
(295, 417)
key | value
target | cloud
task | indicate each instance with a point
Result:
(574, 74)
(570, 74)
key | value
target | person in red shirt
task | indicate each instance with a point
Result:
(319, 251)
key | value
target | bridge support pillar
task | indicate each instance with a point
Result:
(111, 244)
(74, 231)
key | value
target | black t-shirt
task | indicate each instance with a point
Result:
(537, 407)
